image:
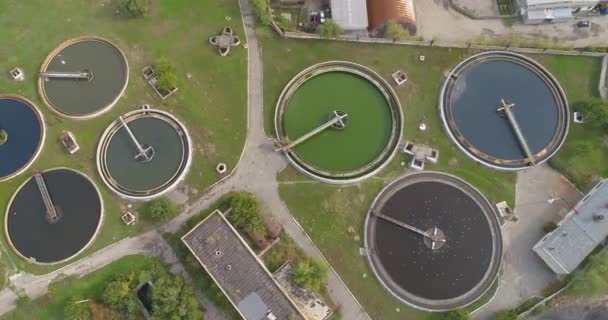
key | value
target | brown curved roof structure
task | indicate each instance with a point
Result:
(381, 11)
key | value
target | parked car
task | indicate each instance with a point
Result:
(322, 15)
(583, 24)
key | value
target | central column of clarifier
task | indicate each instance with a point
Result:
(145, 152)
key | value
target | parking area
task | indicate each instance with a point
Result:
(437, 20)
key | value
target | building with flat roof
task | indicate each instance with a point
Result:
(350, 15)
(238, 272)
(543, 11)
(582, 230)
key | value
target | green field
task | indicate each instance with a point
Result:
(212, 103)
(333, 215)
(52, 305)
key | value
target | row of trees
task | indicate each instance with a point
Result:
(171, 298)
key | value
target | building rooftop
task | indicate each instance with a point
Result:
(238, 272)
(583, 229)
(560, 3)
(350, 14)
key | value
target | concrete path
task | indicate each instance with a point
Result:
(524, 274)
(256, 173)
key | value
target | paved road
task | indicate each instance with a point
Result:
(256, 173)
(524, 274)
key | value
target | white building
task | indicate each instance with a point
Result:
(544, 11)
(351, 15)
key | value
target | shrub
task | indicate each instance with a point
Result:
(3, 137)
(310, 274)
(160, 209)
(167, 76)
(549, 226)
(173, 299)
(459, 314)
(506, 315)
(330, 29)
(137, 8)
(262, 11)
(595, 112)
(119, 293)
(394, 31)
(245, 213)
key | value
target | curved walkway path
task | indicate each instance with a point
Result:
(256, 173)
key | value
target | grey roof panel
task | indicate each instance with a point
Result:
(252, 307)
(350, 14)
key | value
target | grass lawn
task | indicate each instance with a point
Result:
(52, 306)
(333, 215)
(212, 103)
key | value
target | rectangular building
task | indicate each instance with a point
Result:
(235, 268)
(581, 231)
(350, 15)
(543, 11)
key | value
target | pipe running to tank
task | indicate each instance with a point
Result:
(336, 119)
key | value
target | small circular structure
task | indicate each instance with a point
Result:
(433, 241)
(365, 134)
(474, 100)
(43, 240)
(151, 169)
(80, 97)
(23, 127)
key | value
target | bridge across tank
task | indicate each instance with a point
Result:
(338, 122)
(83, 77)
(53, 216)
(504, 110)
(433, 241)
(144, 154)
(23, 126)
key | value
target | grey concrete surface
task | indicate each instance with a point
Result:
(256, 173)
(524, 274)
(595, 311)
(479, 7)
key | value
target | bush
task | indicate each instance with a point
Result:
(310, 274)
(593, 279)
(160, 209)
(459, 314)
(549, 226)
(330, 29)
(167, 76)
(119, 294)
(173, 299)
(506, 315)
(3, 137)
(394, 31)
(595, 112)
(262, 11)
(137, 8)
(245, 213)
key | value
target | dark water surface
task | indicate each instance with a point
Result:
(24, 130)
(79, 205)
(445, 273)
(474, 100)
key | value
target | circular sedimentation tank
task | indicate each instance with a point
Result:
(144, 154)
(473, 110)
(368, 123)
(23, 131)
(40, 237)
(83, 77)
(433, 241)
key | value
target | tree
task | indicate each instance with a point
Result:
(592, 280)
(595, 112)
(245, 213)
(137, 8)
(160, 209)
(77, 308)
(119, 293)
(167, 76)
(330, 29)
(261, 9)
(310, 274)
(173, 299)
(394, 31)
(3, 137)
(459, 314)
